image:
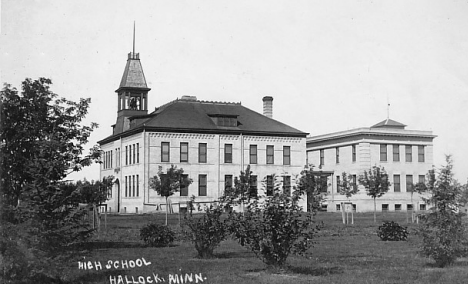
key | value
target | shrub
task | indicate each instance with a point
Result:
(207, 232)
(445, 237)
(155, 235)
(273, 229)
(391, 231)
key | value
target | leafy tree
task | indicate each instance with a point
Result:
(42, 141)
(274, 227)
(241, 192)
(311, 183)
(376, 182)
(347, 187)
(443, 231)
(169, 182)
(208, 231)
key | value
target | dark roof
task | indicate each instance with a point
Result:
(196, 117)
(389, 123)
(133, 76)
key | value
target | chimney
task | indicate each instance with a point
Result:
(268, 106)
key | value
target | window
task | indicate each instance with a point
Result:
(201, 185)
(270, 158)
(337, 156)
(138, 185)
(408, 153)
(338, 183)
(126, 186)
(225, 121)
(384, 207)
(322, 157)
(126, 155)
(134, 153)
(269, 186)
(227, 181)
(253, 154)
(109, 193)
(111, 158)
(133, 183)
(421, 154)
(202, 153)
(353, 153)
(409, 207)
(338, 207)
(421, 179)
(287, 185)
(397, 207)
(354, 181)
(165, 151)
(383, 152)
(354, 207)
(183, 186)
(228, 153)
(396, 183)
(253, 187)
(138, 153)
(422, 207)
(286, 155)
(183, 152)
(396, 153)
(409, 183)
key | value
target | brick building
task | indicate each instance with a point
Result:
(406, 155)
(211, 141)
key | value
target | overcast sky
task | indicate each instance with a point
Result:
(330, 65)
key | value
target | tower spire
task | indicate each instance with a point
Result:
(133, 38)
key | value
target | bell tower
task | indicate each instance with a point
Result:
(132, 94)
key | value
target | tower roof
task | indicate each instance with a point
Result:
(133, 76)
(389, 123)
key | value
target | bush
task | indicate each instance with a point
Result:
(207, 232)
(155, 235)
(445, 236)
(391, 231)
(273, 229)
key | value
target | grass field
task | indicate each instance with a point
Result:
(342, 254)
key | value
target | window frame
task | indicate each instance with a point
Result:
(396, 185)
(287, 155)
(408, 153)
(184, 153)
(163, 154)
(421, 154)
(228, 153)
(337, 155)
(253, 154)
(202, 157)
(270, 154)
(396, 152)
(409, 185)
(202, 187)
(383, 153)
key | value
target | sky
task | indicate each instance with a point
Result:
(329, 65)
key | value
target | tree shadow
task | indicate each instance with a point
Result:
(315, 271)
(110, 245)
(304, 270)
(233, 254)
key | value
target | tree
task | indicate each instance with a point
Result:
(347, 187)
(273, 227)
(42, 141)
(443, 232)
(311, 183)
(169, 182)
(376, 183)
(241, 192)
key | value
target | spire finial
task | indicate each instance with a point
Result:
(133, 38)
(388, 108)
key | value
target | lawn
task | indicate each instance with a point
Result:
(342, 254)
